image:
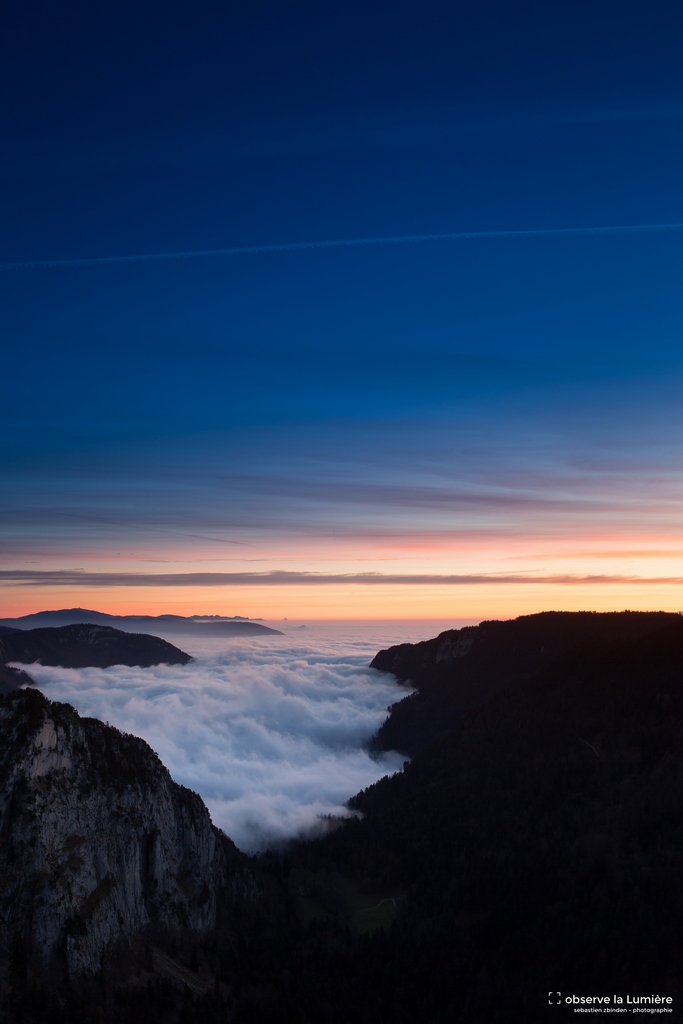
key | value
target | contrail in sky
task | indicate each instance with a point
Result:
(338, 243)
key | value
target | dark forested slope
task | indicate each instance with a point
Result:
(538, 843)
(461, 667)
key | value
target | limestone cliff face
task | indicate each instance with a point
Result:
(97, 843)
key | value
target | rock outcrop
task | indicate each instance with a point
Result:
(13, 679)
(87, 645)
(98, 845)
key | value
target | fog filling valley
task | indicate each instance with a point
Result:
(272, 732)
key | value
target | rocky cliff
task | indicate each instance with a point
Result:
(98, 845)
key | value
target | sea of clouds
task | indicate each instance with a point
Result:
(272, 732)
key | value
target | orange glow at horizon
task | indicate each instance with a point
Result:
(349, 601)
(644, 563)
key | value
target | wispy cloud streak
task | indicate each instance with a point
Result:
(340, 243)
(74, 577)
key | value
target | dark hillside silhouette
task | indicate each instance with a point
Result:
(88, 645)
(461, 667)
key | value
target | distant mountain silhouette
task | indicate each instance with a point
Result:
(81, 646)
(178, 625)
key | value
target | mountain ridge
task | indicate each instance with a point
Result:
(82, 645)
(179, 625)
(461, 667)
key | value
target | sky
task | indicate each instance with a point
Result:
(468, 427)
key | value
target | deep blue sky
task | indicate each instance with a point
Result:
(262, 398)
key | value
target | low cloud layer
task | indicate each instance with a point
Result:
(271, 736)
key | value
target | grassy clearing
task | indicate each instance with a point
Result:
(345, 901)
(367, 912)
